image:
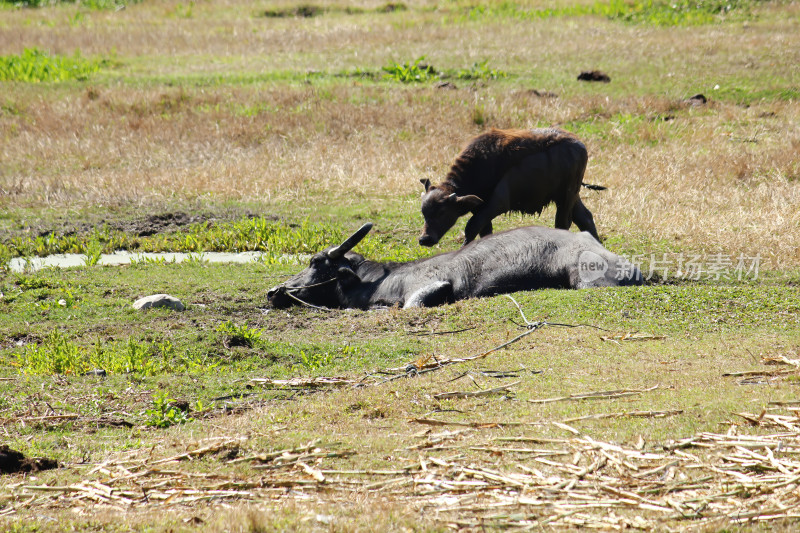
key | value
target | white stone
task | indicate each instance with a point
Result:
(159, 300)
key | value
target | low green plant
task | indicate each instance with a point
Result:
(409, 72)
(480, 71)
(57, 354)
(479, 115)
(5, 258)
(93, 251)
(315, 360)
(34, 65)
(164, 413)
(196, 259)
(61, 298)
(184, 11)
(144, 260)
(280, 242)
(239, 335)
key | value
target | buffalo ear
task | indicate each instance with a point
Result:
(469, 202)
(347, 277)
(425, 183)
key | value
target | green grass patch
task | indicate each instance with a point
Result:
(34, 66)
(480, 71)
(653, 12)
(410, 72)
(239, 335)
(57, 354)
(418, 71)
(276, 239)
(165, 413)
(745, 96)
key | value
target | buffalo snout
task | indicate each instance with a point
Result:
(277, 297)
(427, 239)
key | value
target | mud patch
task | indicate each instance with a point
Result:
(142, 226)
(171, 222)
(595, 76)
(14, 462)
(164, 223)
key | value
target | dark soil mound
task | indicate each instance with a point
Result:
(13, 462)
(594, 75)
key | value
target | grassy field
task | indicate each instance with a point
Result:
(282, 127)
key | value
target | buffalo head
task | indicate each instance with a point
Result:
(441, 209)
(325, 279)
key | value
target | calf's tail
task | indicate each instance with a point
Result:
(594, 187)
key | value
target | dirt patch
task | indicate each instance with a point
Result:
(696, 100)
(594, 75)
(542, 94)
(17, 340)
(14, 462)
(141, 225)
(163, 223)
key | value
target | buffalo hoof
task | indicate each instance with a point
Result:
(427, 240)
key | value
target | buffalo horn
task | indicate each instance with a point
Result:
(351, 241)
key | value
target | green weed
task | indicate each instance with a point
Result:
(480, 71)
(409, 72)
(479, 115)
(5, 258)
(196, 259)
(34, 65)
(183, 11)
(164, 413)
(144, 260)
(28, 283)
(315, 360)
(57, 354)
(239, 335)
(92, 250)
(279, 241)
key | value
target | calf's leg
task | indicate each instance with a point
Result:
(564, 213)
(583, 219)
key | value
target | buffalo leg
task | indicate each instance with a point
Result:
(564, 214)
(481, 221)
(583, 219)
(477, 225)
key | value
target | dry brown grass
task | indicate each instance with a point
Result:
(722, 179)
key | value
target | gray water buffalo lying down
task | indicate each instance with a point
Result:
(509, 170)
(516, 260)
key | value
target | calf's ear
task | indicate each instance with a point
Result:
(347, 277)
(468, 202)
(426, 183)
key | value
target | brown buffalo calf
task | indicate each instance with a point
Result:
(509, 170)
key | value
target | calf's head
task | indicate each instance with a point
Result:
(325, 280)
(441, 209)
